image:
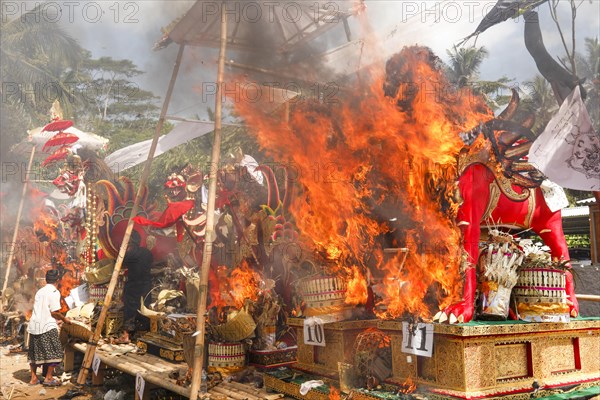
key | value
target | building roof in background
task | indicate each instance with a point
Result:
(575, 211)
(591, 200)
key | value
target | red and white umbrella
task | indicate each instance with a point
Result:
(40, 137)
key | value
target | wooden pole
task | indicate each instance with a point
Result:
(13, 243)
(91, 348)
(588, 297)
(210, 218)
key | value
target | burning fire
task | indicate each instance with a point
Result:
(377, 167)
(233, 288)
(334, 393)
(356, 292)
(408, 386)
(46, 225)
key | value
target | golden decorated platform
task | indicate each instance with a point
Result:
(474, 360)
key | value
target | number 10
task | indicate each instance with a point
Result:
(318, 332)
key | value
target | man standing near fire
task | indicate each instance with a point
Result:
(45, 348)
(138, 261)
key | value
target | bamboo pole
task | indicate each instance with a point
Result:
(13, 243)
(210, 217)
(91, 348)
(588, 297)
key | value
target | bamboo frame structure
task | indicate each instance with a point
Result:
(91, 349)
(210, 219)
(13, 243)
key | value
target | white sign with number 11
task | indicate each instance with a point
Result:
(418, 339)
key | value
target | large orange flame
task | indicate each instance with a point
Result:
(378, 171)
(46, 224)
(233, 288)
(334, 393)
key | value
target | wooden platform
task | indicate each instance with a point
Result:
(153, 369)
(156, 370)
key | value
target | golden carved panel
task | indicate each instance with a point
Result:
(426, 367)
(401, 368)
(589, 350)
(306, 353)
(512, 360)
(479, 365)
(450, 362)
(329, 355)
(482, 329)
(558, 355)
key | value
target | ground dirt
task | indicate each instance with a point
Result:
(14, 380)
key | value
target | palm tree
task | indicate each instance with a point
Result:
(37, 57)
(589, 68)
(464, 64)
(464, 70)
(540, 100)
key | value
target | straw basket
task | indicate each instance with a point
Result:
(78, 330)
(540, 295)
(226, 355)
(238, 327)
(324, 291)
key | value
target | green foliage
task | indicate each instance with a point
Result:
(578, 241)
(463, 71)
(575, 195)
(464, 64)
(113, 105)
(38, 59)
(588, 66)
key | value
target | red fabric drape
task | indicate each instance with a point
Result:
(170, 216)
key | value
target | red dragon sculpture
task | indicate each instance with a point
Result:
(498, 185)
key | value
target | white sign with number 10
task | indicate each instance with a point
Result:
(418, 339)
(314, 334)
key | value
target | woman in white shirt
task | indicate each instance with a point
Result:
(44, 345)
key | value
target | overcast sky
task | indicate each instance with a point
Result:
(128, 29)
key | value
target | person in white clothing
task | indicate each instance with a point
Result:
(44, 345)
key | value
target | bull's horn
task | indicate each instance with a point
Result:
(512, 106)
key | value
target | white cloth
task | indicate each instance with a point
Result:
(555, 196)
(137, 153)
(306, 386)
(251, 164)
(568, 151)
(47, 300)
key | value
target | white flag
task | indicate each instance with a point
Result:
(568, 151)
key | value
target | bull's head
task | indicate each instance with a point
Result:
(510, 142)
(71, 176)
(175, 187)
